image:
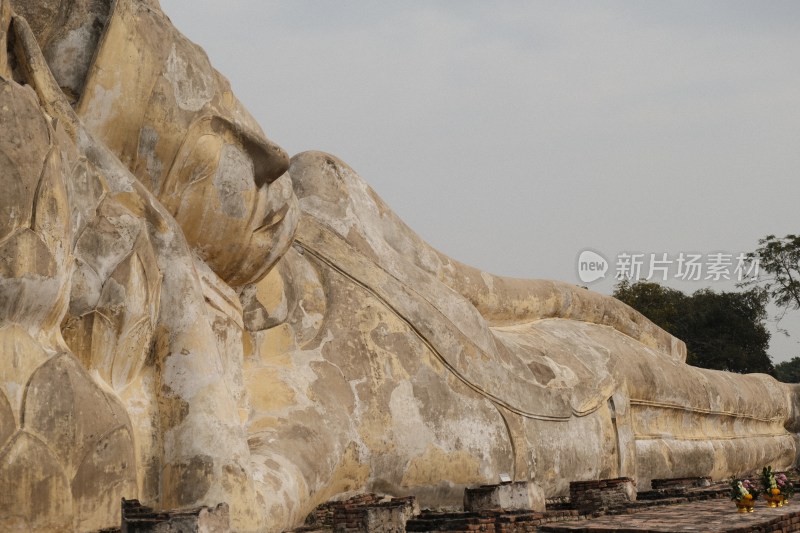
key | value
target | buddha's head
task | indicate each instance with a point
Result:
(154, 99)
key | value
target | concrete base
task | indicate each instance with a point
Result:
(520, 495)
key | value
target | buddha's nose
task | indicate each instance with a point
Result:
(270, 161)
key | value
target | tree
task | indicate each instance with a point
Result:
(788, 371)
(779, 257)
(722, 330)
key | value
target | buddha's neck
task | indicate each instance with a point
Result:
(68, 32)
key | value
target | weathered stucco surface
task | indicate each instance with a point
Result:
(189, 317)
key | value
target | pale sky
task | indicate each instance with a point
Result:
(514, 135)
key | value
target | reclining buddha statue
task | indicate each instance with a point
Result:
(188, 316)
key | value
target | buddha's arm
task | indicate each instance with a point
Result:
(506, 301)
(332, 194)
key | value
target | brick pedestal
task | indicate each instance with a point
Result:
(136, 518)
(601, 496)
(373, 516)
(680, 483)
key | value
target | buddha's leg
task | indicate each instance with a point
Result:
(671, 419)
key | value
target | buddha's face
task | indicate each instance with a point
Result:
(237, 216)
(152, 96)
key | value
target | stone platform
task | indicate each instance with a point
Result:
(686, 504)
(711, 516)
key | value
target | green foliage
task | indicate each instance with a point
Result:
(779, 258)
(788, 371)
(722, 330)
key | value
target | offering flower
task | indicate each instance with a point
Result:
(740, 490)
(777, 487)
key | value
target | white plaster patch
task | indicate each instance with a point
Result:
(235, 176)
(148, 139)
(103, 103)
(473, 431)
(319, 209)
(310, 321)
(116, 175)
(488, 279)
(220, 441)
(564, 377)
(191, 80)
(70, 57)
(178, 301)
(182, 374)
(139, 406)
(411, 434)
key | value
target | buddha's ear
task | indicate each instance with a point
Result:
(36, 73)
(5, 23)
